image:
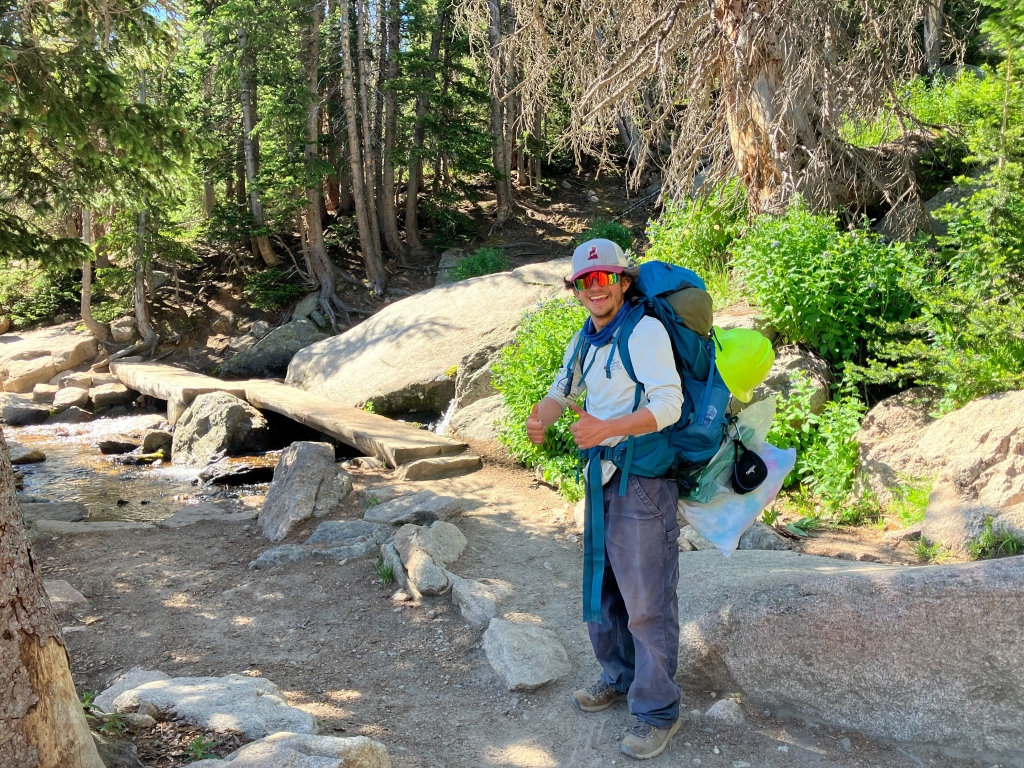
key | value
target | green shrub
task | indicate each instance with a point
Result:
(30, 293)
(270, 289)
(697, 234)
(827, 289)
(910, 501)
(968, 339)
(113, 293)
(484, 261)
(992, 543)
(826, 453)
(523, 375)
(608, 230)
(446, 225)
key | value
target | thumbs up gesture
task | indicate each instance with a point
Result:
(589, 430)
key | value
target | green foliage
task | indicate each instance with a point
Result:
(200, 748)
(770, 516)
(804, 526)
(931, 553)
(111, 724)
(608, 230)
(270, 289)
(827, 289)
(968, 338)
(523, 375)
(385, 572)
(910, 501)
(30, 293)
(992, 543)
(826, 460)
(484, 261)
(697, 234)
(112, 293)
(446, 225)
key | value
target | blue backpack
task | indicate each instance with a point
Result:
(701, 429)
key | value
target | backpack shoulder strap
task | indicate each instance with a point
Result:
(579, 353)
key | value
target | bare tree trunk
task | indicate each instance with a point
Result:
(538, 136)
(100, 330)
(389, 212)
(369, 244)
(412, 227)
(933, 27)
(378, 96)
(42, 724)
(499, 158)
(142, 319)
(209, 198)
(369, 155)
(246, 66)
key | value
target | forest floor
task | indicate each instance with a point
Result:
(411, 676)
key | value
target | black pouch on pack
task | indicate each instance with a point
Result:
(748, 469)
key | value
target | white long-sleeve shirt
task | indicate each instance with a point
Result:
(650, 351)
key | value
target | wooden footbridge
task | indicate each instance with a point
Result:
(393, 442)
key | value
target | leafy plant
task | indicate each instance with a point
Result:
(931, 553)
(770, 516)
(827, 289)
(484, 261)
(803, 526)
(618, 233)
(200, 748)
(446, 224)
(697, 234)
(30, 293)
(270, 289)
(910, 501)
(371, 501)
(968, 339)
(994, 543)
(385, 571)
(523, 374)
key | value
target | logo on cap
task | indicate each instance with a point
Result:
(593, 254)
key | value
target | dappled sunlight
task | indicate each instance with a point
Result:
(181, 600)
(521, 755)
(243, 621)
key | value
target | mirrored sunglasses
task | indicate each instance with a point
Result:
(594, 279)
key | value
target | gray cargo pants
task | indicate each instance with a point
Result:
(637, 639)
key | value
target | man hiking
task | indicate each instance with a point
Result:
(631, 556)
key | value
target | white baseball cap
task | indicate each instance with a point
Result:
(598, 255)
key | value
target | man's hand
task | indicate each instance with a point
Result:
(535, 429)
(589, 430)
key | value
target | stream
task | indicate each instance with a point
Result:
(75, 470)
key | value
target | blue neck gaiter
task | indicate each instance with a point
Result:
(600, 338)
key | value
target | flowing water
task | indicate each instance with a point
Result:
(75, 470)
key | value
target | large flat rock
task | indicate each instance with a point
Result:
(391, 441)
(65, 511)
(252, 705)
(36, 357)
(401, 358)
(928, 655)
(61, 528)
(166, 382)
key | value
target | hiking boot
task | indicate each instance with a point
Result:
(644, 741)
(597, 697)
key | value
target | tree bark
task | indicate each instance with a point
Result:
(246, 67)
(142, 264)
(499, 157)
(100, 330)
(412, 227)
(369, 155)
(389, 212)
(42, 724)
(369, 244)
(933, 27)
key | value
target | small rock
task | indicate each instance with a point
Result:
(726, 711)
(73, 415)
(117, 445)
(282, 555)
(123, 329)
(566, 184)
(44, 393)
(911, 533)
(18, 411)
(478, 600)
(116, 754)
(71, 396)
(260, 328)
(401, 596)
(160, 278)
(761, 536)
(389, 556)
(418, 508)
(138, 720)
(347, 539)
(306, 306)
(77, 379)
(21, 454)
(307, 483)
(524, 656)
(302, 751)
(439, 467)
(868, 557)
(155, 440)
(110, 395)
(63, 597)
(845, 744)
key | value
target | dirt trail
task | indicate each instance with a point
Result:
(416, 678)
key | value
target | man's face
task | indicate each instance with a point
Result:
(603, 302)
